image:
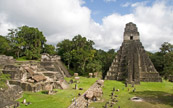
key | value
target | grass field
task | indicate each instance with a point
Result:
(155, 95)
(62, 99)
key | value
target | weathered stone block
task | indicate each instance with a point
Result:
(8, 96)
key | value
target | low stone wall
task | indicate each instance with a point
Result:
(5, 60)
(81, 102)
(35, 87)
(8, 96)
(170, 78)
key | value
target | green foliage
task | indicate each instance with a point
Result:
(163, 60)
(105, 58)
(80, 56)
(4, 45)
(76, 53)
(27, 41)
(94, 66)
(158, 61)
(166, 48)
(168, 64)
(3, 80)
(49, 49)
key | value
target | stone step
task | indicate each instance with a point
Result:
(80, 101)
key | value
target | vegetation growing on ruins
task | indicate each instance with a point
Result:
(3, 80)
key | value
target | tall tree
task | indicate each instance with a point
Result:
(105, 59)
(76, 53)
(28, 40)
(50, 49)
(163, 60)
(4, 45)
(64, 49)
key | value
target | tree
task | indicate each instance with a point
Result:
(94, 66)
(67, 58)
(76, 53)
(82, 57)
(158, 61)
(64, 49)
(64, 46)
(163, 60)
(50, 49)
(16, 42)
(168, 64)
(105, 59)
(28, 41)
(4, 45)
(166, 48)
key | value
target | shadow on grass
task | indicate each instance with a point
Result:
(155, 97)
(44, 92)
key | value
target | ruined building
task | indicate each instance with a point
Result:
(132, 63)
(35, 76)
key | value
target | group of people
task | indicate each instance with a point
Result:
(133, 86)
(113, 99)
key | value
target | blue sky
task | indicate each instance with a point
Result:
(102, 21)
(102, 8)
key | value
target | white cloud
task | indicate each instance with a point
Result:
(53, 17)
(62, 19)
(4, 25)
(139, 4)
(127, 4)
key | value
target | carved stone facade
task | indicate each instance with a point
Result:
(132, 63)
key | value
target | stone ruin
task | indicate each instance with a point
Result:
(36, 76)
(94, 93)
(8, 96)
(54, 63)
(170, 78)
(4, 60)
(132, 63)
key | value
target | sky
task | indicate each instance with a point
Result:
(102, 21)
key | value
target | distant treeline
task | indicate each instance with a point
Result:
(78, 54)
(163, 59)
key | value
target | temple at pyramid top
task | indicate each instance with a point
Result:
(131, 32)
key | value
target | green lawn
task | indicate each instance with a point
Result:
(155, 95)
(62, 99)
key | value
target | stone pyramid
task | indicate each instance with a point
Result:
(132, 63)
